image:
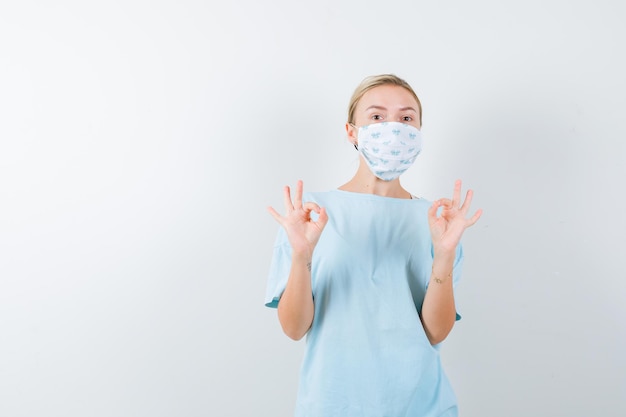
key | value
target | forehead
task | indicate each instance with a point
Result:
(388, 96)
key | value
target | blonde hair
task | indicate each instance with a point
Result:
(374, 81)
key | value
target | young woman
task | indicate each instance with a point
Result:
(367, 272)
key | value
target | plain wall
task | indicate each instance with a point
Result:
(141, 142)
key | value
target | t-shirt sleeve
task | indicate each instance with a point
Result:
(279, 269)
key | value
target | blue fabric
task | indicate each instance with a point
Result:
(367, 354)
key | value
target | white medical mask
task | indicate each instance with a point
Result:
(389, 148)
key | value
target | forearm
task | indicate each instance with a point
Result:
(296, 308)
(438, 310)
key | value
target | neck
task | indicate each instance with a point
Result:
(367, 183)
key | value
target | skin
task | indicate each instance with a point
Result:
(438, 315)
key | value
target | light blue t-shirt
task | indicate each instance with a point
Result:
(367, 354)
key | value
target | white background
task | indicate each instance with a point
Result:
(142, 141)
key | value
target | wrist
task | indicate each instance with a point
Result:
(442, 269)
(301, 257)
(301, 251)
(443, 276)
(443, 256)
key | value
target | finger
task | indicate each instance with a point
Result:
(474, 218)
(456, 195)
(445, 203)
(275, 215)
(468, 201)
(322, 219)
(297, 198)
(287, 198)
(310, 206)
(432, 211)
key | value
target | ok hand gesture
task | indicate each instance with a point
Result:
(302, 231)
(447, 228)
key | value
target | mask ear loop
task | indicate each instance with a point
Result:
(356, 145)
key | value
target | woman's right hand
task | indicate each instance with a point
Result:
(302, 231)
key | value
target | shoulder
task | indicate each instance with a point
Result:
(320, 197)
(421, 201)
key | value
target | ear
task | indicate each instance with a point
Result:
(353, 134)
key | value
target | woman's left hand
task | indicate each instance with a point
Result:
(447, 228)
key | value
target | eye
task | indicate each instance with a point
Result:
(377, 117)
(407, 118)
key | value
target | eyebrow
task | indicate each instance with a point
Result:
(384, 108)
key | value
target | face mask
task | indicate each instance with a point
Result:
(389, 148)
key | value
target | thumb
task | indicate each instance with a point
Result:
(432, 211)
(323, 218)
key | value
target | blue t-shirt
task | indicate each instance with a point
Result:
(367, 354)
